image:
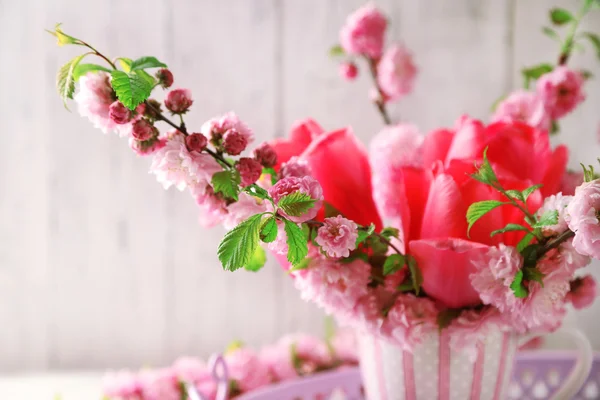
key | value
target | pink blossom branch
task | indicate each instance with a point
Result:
(380, 102)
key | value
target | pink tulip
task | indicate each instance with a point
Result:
(301, 135)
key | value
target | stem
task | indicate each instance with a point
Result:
(563, 58)
(380, 103)
(96, 52)
(563, 237)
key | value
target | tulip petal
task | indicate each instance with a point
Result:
(469, 140)
(445, 210)
(301, 135)
(436, 146)
(554, 174)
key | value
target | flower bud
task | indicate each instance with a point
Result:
(234, 142)
(118, 113)
(179, 101)
(143, 130)
(147, 147)
(266, 155)
(249, 170)
(196, 142)
(348, 71)
(165, 78)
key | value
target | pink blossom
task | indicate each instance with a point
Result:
(178, 101)
(249, 170)
(411, 320)
(523, 106)
(265, 154)
(583, 292)
(495, 272)
(561, 91)
(582, 219)
(472, 327)
(165, 78)
(567, 257)
(123, 385)
(570, 182)
(309, 354)
(194, 371)
(348, 71)
(345, 346)
(559, 203)
(143, 130)
(174, 165)
(396, 72)
(234, 142)
(119, 114)
(196, 142)
(307, 185)
(363, 32)
(295, 167)
(148, 147)
(247, 369)
(216, 127)
(212, 207)
(337, 237)
(245, 207)
(160, 384)
(94, 99)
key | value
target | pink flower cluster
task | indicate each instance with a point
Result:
(583, 214)
(292, 356)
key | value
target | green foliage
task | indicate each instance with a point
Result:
(295, 204)
(525, 242)
(376, 245)
(364, 234)
(533, 274)
(588, 173)
(535, 72)
(549, 218)
(330, 210)
(239, 244)
(304, 264)
(83, 69)
(415, 274)
(551, 33)
(485, 173)
(65, 79)
(587, 74)
(527, 192)
(518, 287)
(445, 317)
(337, 51)
(509, 228)
(560, 16)
(257, 191)
(125, 63)
(479, 209)
(131, 88)
(227, 182)
(257, 261)
(268, 230)
(271, 172)
(594, 39)
(147, 62)
(389, 232)
(62, 38)
(296, 241)
(393, 263)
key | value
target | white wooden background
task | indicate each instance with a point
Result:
(100, 267)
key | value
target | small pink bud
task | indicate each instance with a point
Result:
(148, 147)
(234, 142)
(249, 170)
(141, 109)
(196, 142)
(143, 130)
(118, 113)
(348, 71)
(178, 101)
(165, 78)
(266, 155)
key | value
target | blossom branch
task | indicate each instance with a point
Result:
(380, 102)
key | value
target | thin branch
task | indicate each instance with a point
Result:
(380, 103)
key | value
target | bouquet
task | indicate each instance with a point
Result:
(468, 229)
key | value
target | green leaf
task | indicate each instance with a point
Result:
(364, 234)
(588, 173)
(549, 218)
(257, 191)
(330, 210)
(390, 232)
(271, 172)
(518, 287)
(83, 69)
(535, 72)
(65, 79)
(145, 76)
(510, 228)
(296, 204)
(227, 182)
(479, 209)
(587, 74)
(304, 264)
(527, 192)
(393, 263)
(239, 244)
(131, 89)
(296, 241)
(257, 261)
(268, 231)
(551, 33)
(515, 195)
(147, 62)
(445, 317)
(594, 40)
(485, 173)
(415, 274)
(533, 274)
(125, 63)
(336, 51)
(525, 242)
(554, 128)
(62, 37)
(377, 246)
(560, 16)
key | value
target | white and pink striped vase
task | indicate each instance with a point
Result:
(434, 370)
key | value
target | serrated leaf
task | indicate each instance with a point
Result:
(406, 286)
(125, 63)
(485, 173)
(239, 244)
(527, 192)
(560, 16)
(131, 89)
(271, 172)
(594, 40)
(551, 33)
(549, 218)
(509, 228)
(336, 51)
(445, 317)
(479, 209)
(515, 194)
(376, 245)
(415, 274)
(393, 263)
(227, 182)
(257, 191)
(147, 62)
(525, 242)
(296, 241)
(588, 173)
(65, 79)
(269, 230)
(304, 264)
(83, 69)
(533, 274)
(518, 287)
(257, 261)
(146, 76)
(295, 204)
(364, 234)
